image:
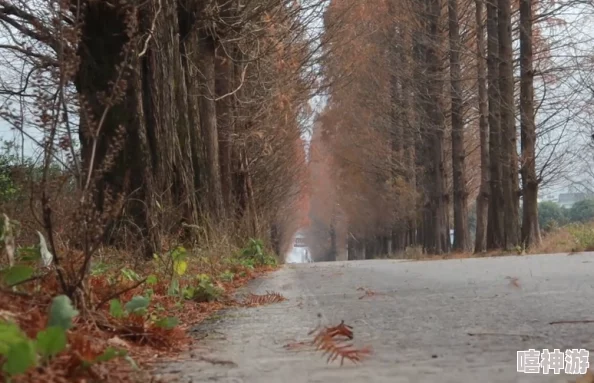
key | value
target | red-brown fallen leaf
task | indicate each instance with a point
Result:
(328, 340)
(326, 343)
(370, 293)
(268, 298)
(514, 282)
(296, 345)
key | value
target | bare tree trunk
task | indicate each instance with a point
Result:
(509, 173)
(435, 150)
(408, 132)
(482, 200)
(224, 110)
(421, 161)
(530, 228)
(208, 122)
(461, 234)
(495, 221)
(398, 118)
(146, 149)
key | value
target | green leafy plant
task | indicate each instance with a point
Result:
(167, 323)
(16, 274)
(227, 276)
(116, 309)
(130, 275)
(51, 341)
(21, 353)
(173, 264)
(254, 254)
(206, 291)
(28, 254)
(173, 289)
(99, 268)
(139, 306)
(62, 313)
(179, 256)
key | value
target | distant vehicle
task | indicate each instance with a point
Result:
(300, 252)
(299, 242)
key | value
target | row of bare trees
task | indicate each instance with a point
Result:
(427, 99)
(170, 116)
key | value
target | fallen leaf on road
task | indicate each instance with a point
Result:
(370, 293)
(340, 330)
(514, 282)
(296, 345)
(326, 341)
(268, 298)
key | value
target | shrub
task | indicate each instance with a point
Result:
(583, 235)
(582, 211)
(254, 254)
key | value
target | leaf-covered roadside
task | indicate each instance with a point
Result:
(130, 314)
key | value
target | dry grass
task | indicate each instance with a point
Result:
(568, 239)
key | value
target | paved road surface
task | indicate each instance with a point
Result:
(436, 321)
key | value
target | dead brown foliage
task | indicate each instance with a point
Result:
(96, 330)
(331, 340)
(259, 300)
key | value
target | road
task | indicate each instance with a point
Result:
(433, 321)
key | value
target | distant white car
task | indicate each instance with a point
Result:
(299, 253)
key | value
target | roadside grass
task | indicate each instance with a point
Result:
(129, 314)
(572, 238)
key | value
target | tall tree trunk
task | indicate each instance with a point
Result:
(398, 111)
(146, 149)
(482, 200)
(509, 158)
(530, 228)
(435, 150)
(409, 133)
(461, 234)
(208, 122)
(332, 232)
(421, 163)
(495, 221)
(224, 110)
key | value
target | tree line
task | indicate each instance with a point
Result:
(174, 120)
(436, 105)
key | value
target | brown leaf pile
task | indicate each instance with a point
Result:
(95, 329)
